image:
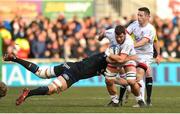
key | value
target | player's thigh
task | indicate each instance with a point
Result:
(143, 65)
(59, 84)
(112, 68)
(143, 69)
(130, 69)
(149, 72)
(140, 72)
(109, 81)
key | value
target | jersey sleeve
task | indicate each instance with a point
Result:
(129, 29)
(108, 34)
(126, 49)
(149, 34)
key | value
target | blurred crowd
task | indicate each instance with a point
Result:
(76, 38)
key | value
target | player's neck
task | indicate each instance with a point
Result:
(144, 24)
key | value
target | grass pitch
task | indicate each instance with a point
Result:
(89, 100)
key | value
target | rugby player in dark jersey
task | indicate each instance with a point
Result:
(65, 74)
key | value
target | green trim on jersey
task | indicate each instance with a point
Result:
(133, 37)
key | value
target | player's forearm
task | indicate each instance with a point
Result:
(157, 48)
(132, 57)
(101, 36)
(143, 42)
(109, 60)
(117, 58)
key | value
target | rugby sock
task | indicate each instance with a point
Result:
(142, 89)
(28, 65)
(128, 88)
(138, 98)
(149, 83)
(122, 92)
(38, 91)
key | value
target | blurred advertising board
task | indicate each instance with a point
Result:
(27, 9)
(69, 8)
(165, 74)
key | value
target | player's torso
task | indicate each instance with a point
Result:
(91, 66)
(141, 32)
(128, 41)
(110, 34)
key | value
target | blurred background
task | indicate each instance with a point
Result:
(51, 32)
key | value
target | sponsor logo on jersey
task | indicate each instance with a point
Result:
(66, 76)
(66, 66)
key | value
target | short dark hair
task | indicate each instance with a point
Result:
(144, 9)
(120, 29)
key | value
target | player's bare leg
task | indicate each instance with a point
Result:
(111, 87)
(135, 88)
(140, 75)
(122, 91)
(123, 83)
(57, 86)
(42, 72)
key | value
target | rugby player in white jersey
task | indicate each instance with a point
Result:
(144, 35)
(125, 43)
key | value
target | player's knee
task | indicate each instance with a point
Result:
(131, 82)
(148, 73)
(51, 90)
(109, 82)
(141, 83)
(45, 72)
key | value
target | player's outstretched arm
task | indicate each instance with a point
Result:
(101, 36)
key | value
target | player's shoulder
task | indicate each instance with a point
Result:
(150, 27)
(134, 23)
(129, 40)
(110, 31)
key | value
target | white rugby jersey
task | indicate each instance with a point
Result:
(128, 45)
(143, 32)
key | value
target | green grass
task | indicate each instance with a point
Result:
(90, 100)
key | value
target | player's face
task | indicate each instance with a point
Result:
(142, 17)
(120, 38)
